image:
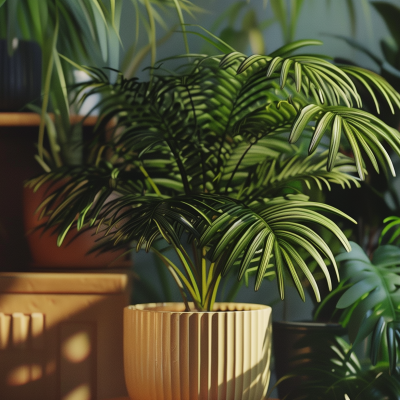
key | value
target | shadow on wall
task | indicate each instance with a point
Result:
(61, 335)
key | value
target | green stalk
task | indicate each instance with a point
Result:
(181, 20)
(197, 258)
(214, 278)
(210, 274)
(46, 88)
(52, 135)
(193, 290)
(191, 265)
(152, 184)
(214, 292)
(152, 32)
(203, 276)
(212, 286)
(181, 168)
(188, 270)
(237, 166)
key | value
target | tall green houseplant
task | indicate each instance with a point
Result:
(204, 159)
(72, 32)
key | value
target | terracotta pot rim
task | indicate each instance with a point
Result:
(221, 307)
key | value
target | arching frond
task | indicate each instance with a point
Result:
(276, 228)
(362, 130)
(328, 84)
(374, 83)
(274, 176)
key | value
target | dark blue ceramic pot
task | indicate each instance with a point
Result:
(20, 75)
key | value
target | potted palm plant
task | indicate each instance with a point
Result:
(203, 159)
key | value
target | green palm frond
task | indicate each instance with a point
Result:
(373, 81)
(371, 302)
(326, 82)
(83, 191)
(210, 104)
(331, 86)
(362, 130)
(274, 116)
(276, 229)
(245, 156)
(391, 223)
(274, 176)
(143, 219)
(168, 114)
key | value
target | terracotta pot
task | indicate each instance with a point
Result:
(74, 252)
(177, 355)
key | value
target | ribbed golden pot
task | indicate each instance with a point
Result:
(170, 354)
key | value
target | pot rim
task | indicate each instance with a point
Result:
(223, 307)
(308, 324)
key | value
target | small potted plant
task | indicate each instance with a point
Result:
(49, 39)
(200, 160)
(336, 372)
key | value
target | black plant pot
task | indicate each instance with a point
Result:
(20, 75)
(292, 341)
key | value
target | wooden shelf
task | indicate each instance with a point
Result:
(32, 119)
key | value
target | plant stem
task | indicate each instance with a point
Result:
(152, 32)
(214, 292)
(180, 279)
(181, 20)
(185, 260)
(197, 258)
(46, 88)
(147, 176)
(210, 274)
(203, 276)
(203, 167)
(181, 168)
(131, 69)
(237, 166)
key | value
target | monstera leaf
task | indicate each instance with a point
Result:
(372, 299)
